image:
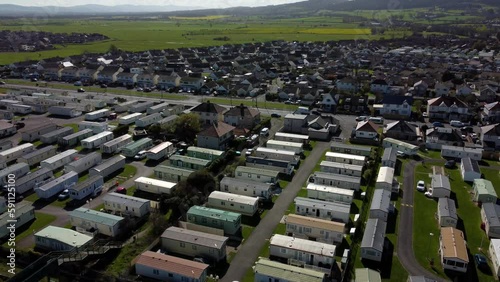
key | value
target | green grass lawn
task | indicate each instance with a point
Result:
(128, 171)
(72, 125)
(41, 221)
(492, 175)
(433, 154)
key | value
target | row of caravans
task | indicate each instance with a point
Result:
(85, 163)
(75, 138)
(141, 106)
(56, 186)
(161, 151)
(35, 133)
(97, 140)
(129, 119)
(36, 156)
(53, 136)
(13, 154)
(32, 180)
(95, 115)
(115, 145)
(157, 108)
(59, 160)
(19, 170)
(148, 120)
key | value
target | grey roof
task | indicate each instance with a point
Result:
(194, 237)
(58, 132)
(87, 182)
(440, 181)
(447, 208)
(266, 161)
(85, 159)
(381, 200)
(333, 206)
(245, 183)
(492, 214)
(389, 154)
(340, 177)
(420, 279)
(374, 235)
(470, 165)
(77, 134)
(33, 175)
(38, 152)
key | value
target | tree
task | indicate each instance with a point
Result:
(113, 49)
(187, 126)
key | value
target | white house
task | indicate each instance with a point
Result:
(469, 169)
(126, 205)
(366, 130)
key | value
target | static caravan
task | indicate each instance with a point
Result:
(236, 203)
(385, 179)
(453, 250)
(129, 119)
(283, 145)
(344, 148)
(125, 205)
(64, 111)
(447, 212)
(345, 158)
(5, 102)
(170, 173)
(52, 137)
(469, 169)
(160, 151)
(89, 187)
(494, 252)
(407, 148)
(157, 108)
(35, 133)
(104, 223)
(24, 213)
(267, 270)
(141, 107)
(95, 115)
(341, 168)
(322, 209)
(161, 267)
(125, 106)
(32, 180)
(389, 157)
(336, 180)
(85, 163)
(75, 138)
(329, 193)
(228, 221)
(13, 154)
(57, 185)
(97, 127)
(315, 229)
(280, 166)
(5, 144)
(19, 109)
(97, 140)
(289, 137)
(246, 187)
(6, 115)
(373, 242)
(59, 160)
(108, 167)
(134, 148)
(148, 120)
(275, 154)
(194, 243)
(204, 153)
(301, 251)
(116, 145)
(461, 152)
(53, 238)
(187, 162)
(381, 204)
(18, 170)
(168, 121)
(154, 186)
(256, 174)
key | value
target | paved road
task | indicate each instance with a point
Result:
(405, 229)
(248, 252)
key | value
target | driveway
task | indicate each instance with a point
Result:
(249, 251)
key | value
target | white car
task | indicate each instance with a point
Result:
(421, 186)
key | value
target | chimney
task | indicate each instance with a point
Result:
(242, 110)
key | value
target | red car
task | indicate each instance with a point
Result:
(121, 190)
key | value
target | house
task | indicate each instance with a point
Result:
(126, 205)
(385, 179)
(96, 221)
(242, 117)
(328, 103)
(229, 222)
(447, 108)
(53, 238)
(490, 217)
(403, 130)
(373, 242)
(486, 94)
(463, 90)
(336, 180)
(172, 174)
(108, 74)
(216, 136)
(447, 213)
(322, 209)
(295, 123)
(256, 174)
(344, 148)
(469, 169)
(266, 270)
(490, 136)
(494, 252)
(438, 137)
(147, 80)
(347, 84)
(484, 192)
(461, 152)
(209, 113)
(381, 205)
(453, 249)
(389, 157)
(163, 267)
(379, 86)
(341, 168)
(24, 213)
(395, 107)
(440, 185)
(126, 79)
(232, 202)
(192, 243)
(366, 130)
(193, 84)
(420, 88)
(246, 187)
(442, 88)
(491, 112)
(315, 229)
(166, 82)
(302, 252)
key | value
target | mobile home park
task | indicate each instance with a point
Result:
(57, 185)
(290, 137)
(154, 186)
(315, 229)
(59, 160)
(341, 168)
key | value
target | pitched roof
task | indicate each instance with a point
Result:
(492, 129)
(401, 126)
(367, 126)
(448, 101)
(453, 244)
(446, 207)
(217, 130)
(207, 107)
(184, 267)
(470, 165)
(315, 222)
(243, 111)
(374, 236)
(397, 100)
(492, 106)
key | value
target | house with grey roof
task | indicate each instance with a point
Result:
(469, 169)
(447, 213)
(441, 187)
(381, 204)
(372, 245)
(490, 217)
(389, 157)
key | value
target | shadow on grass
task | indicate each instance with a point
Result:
(251, 220)
(391, 222)
(385, 266)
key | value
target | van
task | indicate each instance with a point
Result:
(456, 123)
(264, 131)
(378, 120)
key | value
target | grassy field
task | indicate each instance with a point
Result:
(39, 223)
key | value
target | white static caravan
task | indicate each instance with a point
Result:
(246, 187)
(283, 145)
(57, 185)
(461, 152)
(5, 144)
(289, 137)
(97, 127)
(160, 151)
(125, 106)
(97, 140)
(59, 160)
(36, 156)
(108, 167)
(157, 108)
(305, 251)
(125, 205)
(322, 209)
(104, 223)
(89, 187)
(407, 148)
(341, 168)
(95, 115)
(19, 170)
(256, 174)
(284, 167)
(168, 120)
(385, 179)
(13, 154)
(345, 158)
(129, 119)
(33, 180)
(19, 109)
(134, 148)
(53, 136)
(275, 154)
(141, 107)
(115, 145)
(315, 229)
(350, 149)
(148, 120)
(329, 193)
(24, 213)
(232, 202)
(64, 111)
(154, 186)
(34, 134)
(75, 138)
(84, 163)
(170, 173)
(336, 180)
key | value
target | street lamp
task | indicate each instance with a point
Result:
(428, 245)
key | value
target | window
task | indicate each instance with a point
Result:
(170, 275)
(155, 271)
(183, 245)
(194, 247)
(283, 251)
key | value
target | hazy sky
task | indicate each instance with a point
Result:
(198, 3)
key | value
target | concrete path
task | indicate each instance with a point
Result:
(248, 252)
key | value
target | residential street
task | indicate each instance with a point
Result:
(248, 252)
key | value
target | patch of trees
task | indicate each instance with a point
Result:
(120, 130)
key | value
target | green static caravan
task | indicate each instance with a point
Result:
(132, 149)
(188, 162)
(204, 153)
(228, 221)
(174, 174)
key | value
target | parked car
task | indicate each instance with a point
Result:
(2, 82)
(20, 125)
(139, 89)
(275, 115)
(78, 83)
(147, 89)
(481, 261)
(121, 190)
(81, 90)
(264, 131)
(104, 86)
(437, 124)
(450, 164)
(361, 118)
(141, 155)
(421, 186)
(249, 152)
(64, 195)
